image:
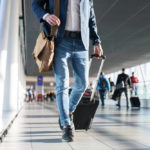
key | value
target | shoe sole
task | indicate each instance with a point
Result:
(63, 140)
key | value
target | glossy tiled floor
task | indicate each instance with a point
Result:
(36, 128)
(6, 118)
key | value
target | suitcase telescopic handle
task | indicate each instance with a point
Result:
(102, 57)
(99, 71)
(97, 56)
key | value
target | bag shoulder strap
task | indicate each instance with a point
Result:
(54, 29)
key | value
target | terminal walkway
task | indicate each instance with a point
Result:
(36, 128)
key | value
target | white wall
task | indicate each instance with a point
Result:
(12, 76)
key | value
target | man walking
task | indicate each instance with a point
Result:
(123, 81)
(76, 23)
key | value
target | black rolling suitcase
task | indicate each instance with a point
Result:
(135, 101)
(116, 95)
(85, 111)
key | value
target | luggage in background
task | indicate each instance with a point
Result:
(39, 97)
(85, 111)
(116, 95)
(135, 101)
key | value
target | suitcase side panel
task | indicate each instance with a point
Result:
(84, 115)
(135, 101)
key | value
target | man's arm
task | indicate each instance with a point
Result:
(137, 80)
(42, 14)
(118, 78)
(38, 9)
(129, 81)
(93, 31)
(92, 25)
(108, 84)
(98, 84)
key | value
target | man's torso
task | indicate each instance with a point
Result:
(83, 19)
(123, 78)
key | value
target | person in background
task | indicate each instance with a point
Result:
(103, 86)
(33, 93)
(30, 95)
(123, 81)
(90, 85)
(134, 84)
(111, 84)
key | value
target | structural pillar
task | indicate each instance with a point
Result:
(4, 27)
(11, 79)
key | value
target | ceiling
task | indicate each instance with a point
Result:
(124, 28)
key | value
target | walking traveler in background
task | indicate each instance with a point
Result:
(112, 88)
(123, 81)
(134, 84)
(103, 86)
(112, 85)
(76, 23)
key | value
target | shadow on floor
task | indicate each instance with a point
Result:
(40, 116)
(41, 132)
(43, 141)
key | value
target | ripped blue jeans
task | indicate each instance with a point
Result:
(70, 51)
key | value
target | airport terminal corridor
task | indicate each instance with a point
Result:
(115, 34)
(36, 128)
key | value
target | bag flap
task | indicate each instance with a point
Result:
(40, 44)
